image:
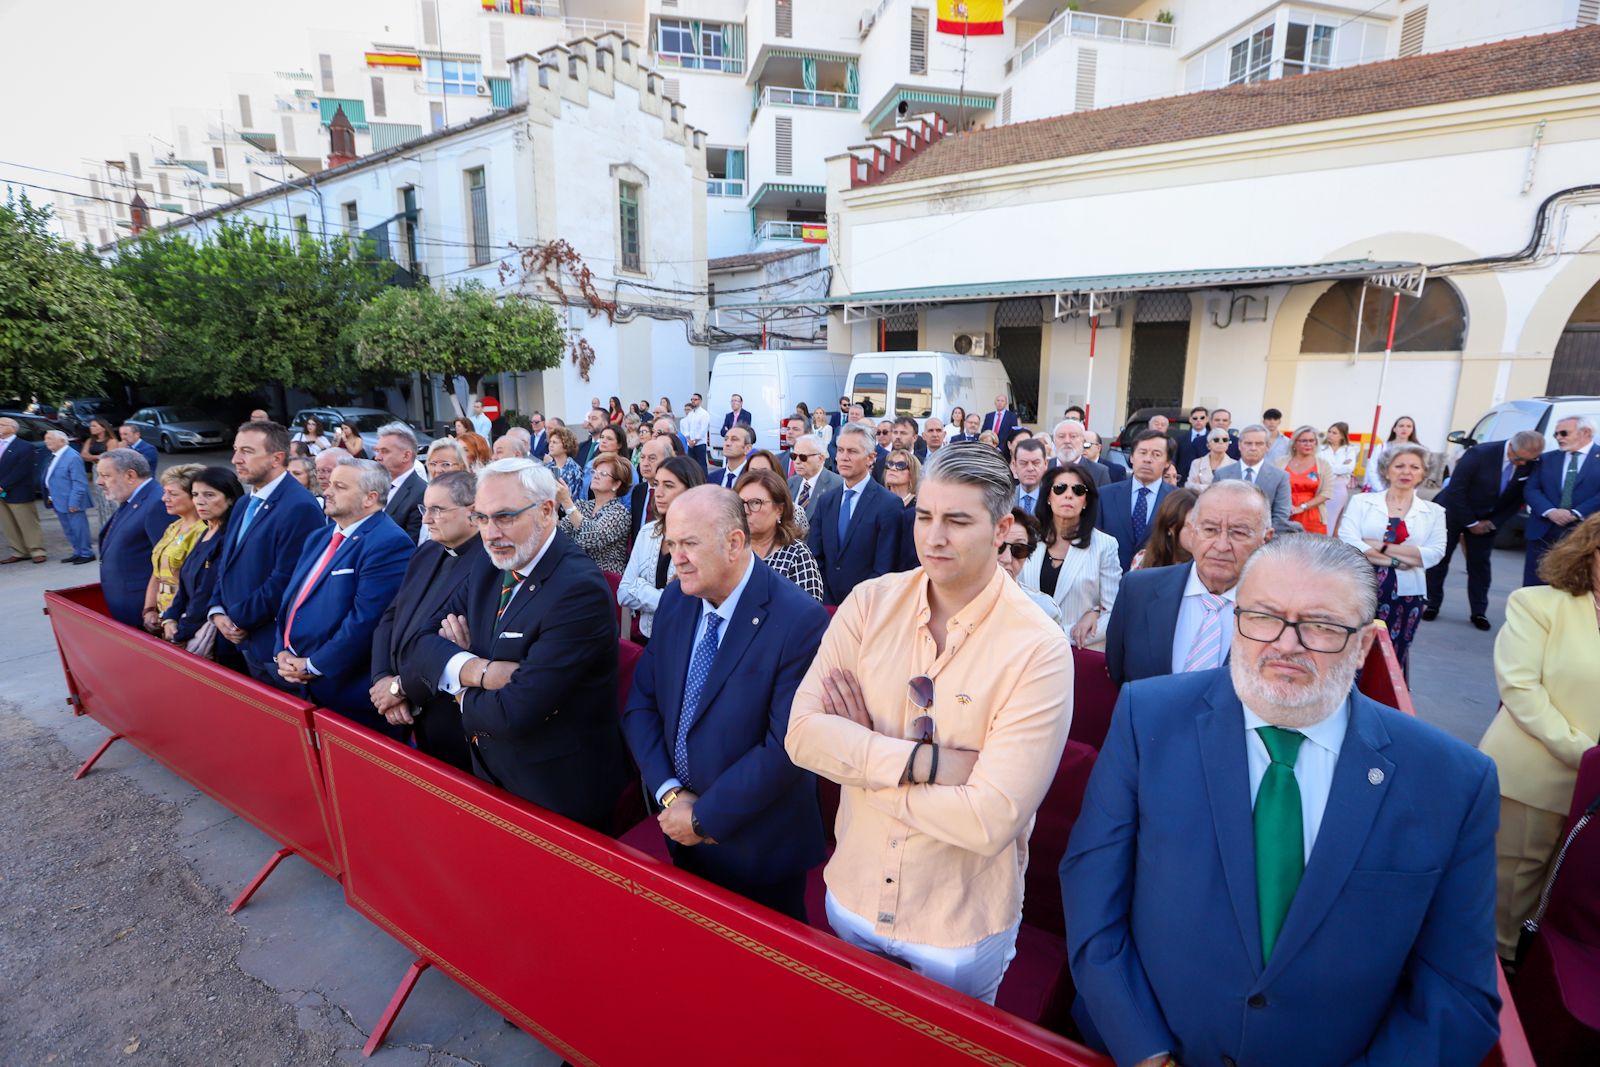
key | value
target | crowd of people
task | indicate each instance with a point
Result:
(467, 601)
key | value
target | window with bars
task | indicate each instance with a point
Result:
(783, 145)
(352, 224)
(628, 226)
(1413, 28)
(919, 40)
(783, 18)
(380, 103)
(325, 61)
(478, 210)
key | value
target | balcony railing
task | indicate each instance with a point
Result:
(593, 28)
(692, 61)
(784, 97)
(1101, 27)
(536, 8)
(779, 230)
(724, 186)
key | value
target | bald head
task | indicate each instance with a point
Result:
(708, 539)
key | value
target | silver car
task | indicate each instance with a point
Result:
(366, 421)
(174, 427)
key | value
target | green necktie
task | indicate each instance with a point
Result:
(508, 583)
(1570, 482)
(1280, 834)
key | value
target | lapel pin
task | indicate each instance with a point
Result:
(1375, 776)
(756, 621)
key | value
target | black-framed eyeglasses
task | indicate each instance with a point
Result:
(1313, 636)
(753, 507)
(501, 519)
(435, 510)
(1075, 488)
(1018, 549)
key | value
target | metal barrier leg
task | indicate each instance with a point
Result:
(101, 751)
(396, 1002)
(261, 876)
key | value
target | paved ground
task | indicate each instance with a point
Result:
(114, 942)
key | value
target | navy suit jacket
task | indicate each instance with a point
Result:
(126, 541)
(253, 573)
(148, 451)
(540, 444)
(753, 801)
(68, 486)
(743, 419)
(1144, 621)
(1116, 516)
(552, 735)
(19, 472)
(1387, 953)
(1474, 490)
(871, 546)
(403, 508)
(1189, 450)
(334, 624)
(1007, 420)
(1543, 491)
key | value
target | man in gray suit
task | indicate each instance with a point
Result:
(811, 479)
(1253, 467)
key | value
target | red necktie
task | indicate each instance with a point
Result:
(311, 580)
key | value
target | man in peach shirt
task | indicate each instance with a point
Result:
(944, 730)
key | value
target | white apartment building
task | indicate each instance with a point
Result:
(587, 150)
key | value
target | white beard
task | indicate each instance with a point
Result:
(1295, 706)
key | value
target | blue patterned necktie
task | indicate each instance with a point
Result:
(705, 651)
(250, 509)
(1141, 515)
(846, 503)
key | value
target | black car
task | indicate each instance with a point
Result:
(32, 427)
(1122, 444)
(76, 411)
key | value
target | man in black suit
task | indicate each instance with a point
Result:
(710, 708)
(855, 532)
(1003, 421)
(1069, 440)
(1192, 445)
(653, 453)
(527, 644)
(397, 452)
(19, 489)
(439, 565)
(1484, 491)
(1168, 620)
(538, 436)
(1094, 449)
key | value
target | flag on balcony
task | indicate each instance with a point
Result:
(397, 60)
(971, 18)
(814, 233)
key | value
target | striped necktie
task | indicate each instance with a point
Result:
(508, 584)
(1206, 651)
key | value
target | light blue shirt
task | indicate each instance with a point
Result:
(1313, 766)
(1150, 501)
(1027, 500)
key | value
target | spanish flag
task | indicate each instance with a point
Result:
(814, 233)
(396, 60)
(972, 18)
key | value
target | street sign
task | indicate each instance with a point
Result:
(491, 407)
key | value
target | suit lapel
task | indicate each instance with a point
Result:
(426, 585)
(749, 615)
(532, 586)
(1222, 756)
(1163, 625)
(1353, 803)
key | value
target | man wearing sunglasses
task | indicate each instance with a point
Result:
(527, 646)
(940, 702)
(811, 478)
(1271, 868)
(1562, 491)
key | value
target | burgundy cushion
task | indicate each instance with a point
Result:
(1029, 986)
(1093, 698)
(1041, 902)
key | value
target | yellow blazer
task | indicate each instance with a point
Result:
(1547, 663)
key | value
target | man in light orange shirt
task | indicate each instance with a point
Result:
(944, 730)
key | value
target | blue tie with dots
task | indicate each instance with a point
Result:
(705, 651)
(1141, 516)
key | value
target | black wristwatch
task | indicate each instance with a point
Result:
(694, 824)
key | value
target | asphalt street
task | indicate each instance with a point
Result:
(121, 881)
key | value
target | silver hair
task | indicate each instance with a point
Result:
(1068, 422)
(1239, 488)
(1256, 427)
(975, 464)
(537, 481)
(336, 452)
(452, 445)
(1394, 451)
(402, 431)
(517, 443)
(374, 479)
(1527, 440)
(126, 459)
(1585, 422)
(813, 438)
(461, 486)
(1315, 556)
(53, 433)
(521, 433)
(860, 431)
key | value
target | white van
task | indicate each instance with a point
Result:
(920, 384)
(771, 382)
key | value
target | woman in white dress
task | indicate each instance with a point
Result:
(1340, 456)
(649, 569)
(1075, 564)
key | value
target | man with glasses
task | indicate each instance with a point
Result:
(538, 436)
(710, 701)
(1562, 491)
(1193, 444)
(811, 479)
(403, 696)
(1168, 620)
(1262, 843)
(940, 702)
(527, 645)
(855, 528)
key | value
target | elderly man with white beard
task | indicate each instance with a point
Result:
(1271, 868)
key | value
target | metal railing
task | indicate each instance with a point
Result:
(724, 186)
(786, 97)
(1101, 27)
(780, 230)
(593, 28)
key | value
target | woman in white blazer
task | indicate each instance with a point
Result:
(1402, 535)
(648, 571)
(1075, 564)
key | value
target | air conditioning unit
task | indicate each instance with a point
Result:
(864, 27)
(971, 344)
(483, 89)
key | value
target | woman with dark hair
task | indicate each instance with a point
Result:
(347, 438)
(312, 437)
(957, 424)
(649, 568)
(1165, 546)
(460, 427)
(763, 459)
(102, 435)
(214, 491)
(614, 412)
(1075, 564)
(1021, 541)
(1403, 431)
(774, 534)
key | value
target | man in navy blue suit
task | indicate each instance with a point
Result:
(262, 541)
(131, 534)
(1269, 867)
(1562, 491)
(1003, 421)
(1484, 491)
(66, 492)
(855, 532)
(1128, 507)
(133, 437)
(710, 708)
(19, 479)
(737, 417)
(1192, 443)
(344, 580)
(1162, 614)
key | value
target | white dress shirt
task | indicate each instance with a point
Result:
(637, 591)
(394, 487)
(1313, 765)
(695, 426)
(1191, 613)
(55, 457)
(450, 677)
(1254, 475)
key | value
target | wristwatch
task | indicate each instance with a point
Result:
(694, 824)
(394, 686)
(669, 796)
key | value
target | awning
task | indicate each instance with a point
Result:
(975, 101)
(388, 134)
(768, 188)
(499, 92)
(354, 110)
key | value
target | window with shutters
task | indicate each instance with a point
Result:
(671, 88)
(1588, 12)
(497, 45)
(219, 162)
(288, 134)
(919, 40)
(352, 225)
(783, 145)
(245, 118)
(430, 22)
(380, 103)
(133, 165)
(1005, 107)
(478, 212)
(1083, 91)
(1412, 30)
(783, 18)
(628, 232)
(325, 61)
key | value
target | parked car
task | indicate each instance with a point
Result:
(772, 382)
(32, 427)
(172, 427)
(76, 411)
(366, 420)
(1119, 449)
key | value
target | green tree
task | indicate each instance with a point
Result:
(247, 307)
(464, 331)
(66, 324)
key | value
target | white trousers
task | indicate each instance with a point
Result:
(975, 970)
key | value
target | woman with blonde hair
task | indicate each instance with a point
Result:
(1310, 482)
(1340, 454)
(166, 559)
(902, 476)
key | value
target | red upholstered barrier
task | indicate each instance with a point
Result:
(1093, 697)
(1381, 676)
(247, 746)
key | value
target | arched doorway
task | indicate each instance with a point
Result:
(1575, 371)
(1019, 341)
(1434, 322)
